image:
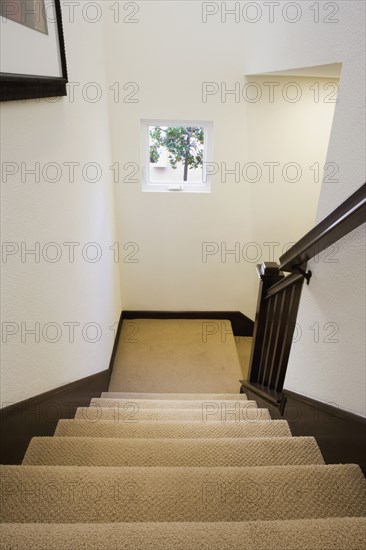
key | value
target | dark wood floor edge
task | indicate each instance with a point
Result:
(116, 340)
(14, 408)
(326, 408)
(241, 324)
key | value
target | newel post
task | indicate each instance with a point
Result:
(269, 273)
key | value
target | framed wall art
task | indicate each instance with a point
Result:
(32, 53)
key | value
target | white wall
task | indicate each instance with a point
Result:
(170, 229)
(330, 372)
(82, 212)
(295, 136)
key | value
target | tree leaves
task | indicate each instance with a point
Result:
(183, 143)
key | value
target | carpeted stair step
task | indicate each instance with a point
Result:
(176, 396)
(209, 413)
(67, 494)
(84, 451)
(144, 404)
(105, 428)
(346, 533)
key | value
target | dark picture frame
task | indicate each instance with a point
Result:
(15, 86)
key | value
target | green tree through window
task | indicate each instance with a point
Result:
(185, 145)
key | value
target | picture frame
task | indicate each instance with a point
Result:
(37, 65)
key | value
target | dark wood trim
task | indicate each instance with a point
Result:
(263, 399)
(344, 219)
(38, 416)
(116, 340)
(241, 325)
(21, 86)
(288, 281)
(270, 396)
(325, 408)
(341, 435)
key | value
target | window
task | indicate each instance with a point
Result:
(175, 156)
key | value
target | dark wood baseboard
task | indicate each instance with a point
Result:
(264, 401)
(340, 434)
(241, 325)
(116, 340)
(38, 416)
(267, 395)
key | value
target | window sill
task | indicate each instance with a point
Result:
(174, 189)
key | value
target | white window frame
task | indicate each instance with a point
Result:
(174, 186)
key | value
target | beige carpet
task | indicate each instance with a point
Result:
(209, 404)
(209, 413)
(179, 355)
(314, 534)
(244, 347)
(68, 494)
(179, 471)
(173, 430)
(85, 451)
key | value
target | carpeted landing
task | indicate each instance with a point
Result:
(179, 471)
(176, 355)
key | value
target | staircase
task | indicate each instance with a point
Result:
(179, 471)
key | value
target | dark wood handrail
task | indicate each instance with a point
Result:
(349, 215)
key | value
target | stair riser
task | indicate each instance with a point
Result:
(61, 495)
(209, 413)
(138, 430)
(176, 396)
(150, 452)
(147, 404)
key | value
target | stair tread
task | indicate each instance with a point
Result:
(347, 533)
(172, 429)
(160, 452)
(65, 494)
(208, 413)
(179, 396)
(172, 403)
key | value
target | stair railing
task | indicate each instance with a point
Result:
(279, 296)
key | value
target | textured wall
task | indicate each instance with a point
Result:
(331, 371)
(36, 290)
